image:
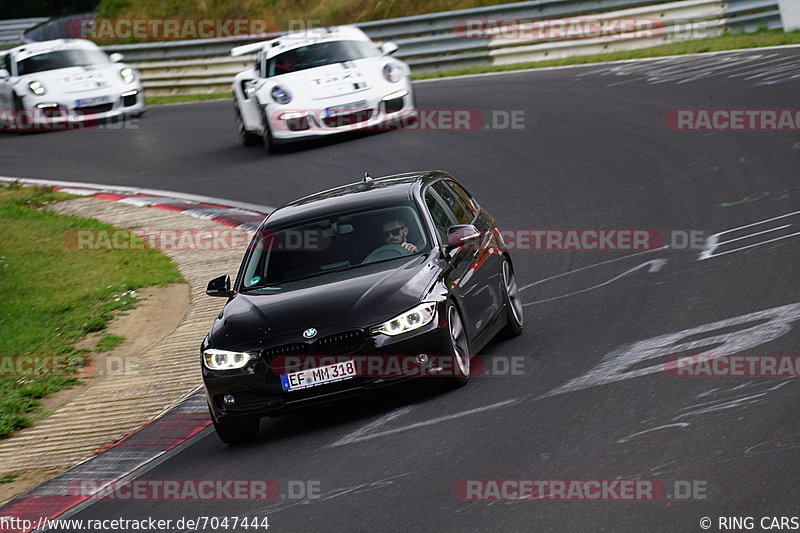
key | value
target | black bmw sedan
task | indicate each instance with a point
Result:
(354, 289)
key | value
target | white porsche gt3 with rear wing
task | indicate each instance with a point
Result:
(66, 81)
(320, 82)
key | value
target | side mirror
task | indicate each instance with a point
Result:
(389, 48)
(116, 57)
(220, 286)
(461, 235)
(4, 74)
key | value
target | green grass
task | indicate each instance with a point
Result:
(54, 295)
(714, 44)
(108, 342)
(280, 13)
(8, 478)
(156, 100)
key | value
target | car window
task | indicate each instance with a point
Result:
(468, 200)
(6, 63)
(441, 219)
(318, 54)
(341, 241)
(463, 214)
(61, 59)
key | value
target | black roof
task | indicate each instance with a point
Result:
(385, 190)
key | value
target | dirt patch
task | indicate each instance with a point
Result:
(158, 312)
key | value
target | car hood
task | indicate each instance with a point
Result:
(329, 303)
(332, 80)
(77, 79)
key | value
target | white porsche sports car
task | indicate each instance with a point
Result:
(320, 82)
(68, 80)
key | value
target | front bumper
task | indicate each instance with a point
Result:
(66, 112)
(258, 392)
(392, 110)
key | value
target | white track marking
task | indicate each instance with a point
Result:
(615, 365)
(430, 422)
(654, 265)
(633, 435)
(591, 266)
(716, 240)
(372, 426)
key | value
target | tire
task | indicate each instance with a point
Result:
(245, 137)
(514, 312)
(266, 135)
(459, 349)
(242, 432)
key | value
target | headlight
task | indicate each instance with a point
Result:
(36, 88)
(225, 360)
(280, 95)
(127, 75)
(392, 72)
(410, 320)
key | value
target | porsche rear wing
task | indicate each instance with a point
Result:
(249, 48)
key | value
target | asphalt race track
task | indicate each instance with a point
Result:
(593, 400)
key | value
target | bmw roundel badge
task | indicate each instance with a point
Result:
(310, 333)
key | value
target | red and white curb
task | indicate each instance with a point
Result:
(145, 447)
(237, 215)
(113, 463)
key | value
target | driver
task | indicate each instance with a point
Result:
(395, 231)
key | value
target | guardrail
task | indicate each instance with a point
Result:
(437, 41)
(11, 31)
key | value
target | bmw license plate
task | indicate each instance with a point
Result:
(346, 109)
(90, 102)
(318, 376)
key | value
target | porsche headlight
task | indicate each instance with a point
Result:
(36, 88)
(127, 75)
(410, 320)
(226, 360)
(281, 95)
(392, 72)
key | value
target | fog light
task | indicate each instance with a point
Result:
(228, 399)
(422, 359)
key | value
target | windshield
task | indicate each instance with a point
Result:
(335, 243)
(61, 59)
(318, 54)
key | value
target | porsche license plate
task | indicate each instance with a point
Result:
(346, 109)
(318, 376)
(90, 102)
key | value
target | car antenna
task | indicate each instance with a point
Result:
(367, 177)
